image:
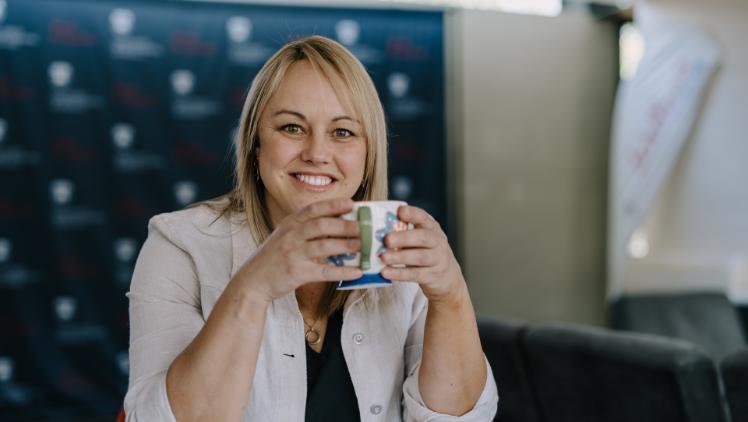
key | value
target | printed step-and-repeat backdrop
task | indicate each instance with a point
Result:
(114, 111)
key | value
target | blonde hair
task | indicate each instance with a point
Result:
(353, 85)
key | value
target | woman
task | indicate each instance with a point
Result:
(225, 330)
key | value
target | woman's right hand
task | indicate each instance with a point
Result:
(295, 253)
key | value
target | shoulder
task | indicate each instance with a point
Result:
(204, 234)
(196, 224)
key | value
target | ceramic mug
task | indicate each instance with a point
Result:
(375, 219)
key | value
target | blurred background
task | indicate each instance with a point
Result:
(587, 159)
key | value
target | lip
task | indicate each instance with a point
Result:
(313, 188)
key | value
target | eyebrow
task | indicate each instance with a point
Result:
(302, 117)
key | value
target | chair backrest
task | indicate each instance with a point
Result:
(707, 319)
(501, 341)
(734, 369)
(585, 374)
(742, 310)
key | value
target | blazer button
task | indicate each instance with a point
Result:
(358, 338)
(375, 409)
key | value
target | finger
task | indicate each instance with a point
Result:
(329, 227)
(326, 208)
(330, 272)
(403, 274)
(417, 216)
(418, 238)
(410, 257)
(323, 248)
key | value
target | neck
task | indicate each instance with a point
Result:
(309, 297)
(274, 212)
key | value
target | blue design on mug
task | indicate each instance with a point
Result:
(391, 223)
(338, 260)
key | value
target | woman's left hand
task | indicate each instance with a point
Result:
(426, 254)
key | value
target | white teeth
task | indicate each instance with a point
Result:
(314, 180)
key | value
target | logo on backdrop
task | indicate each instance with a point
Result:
(65, 307)
(11, 156)
(398, 84)
(123, 362)
(68, 32)
(126, 158)
(123, 135)
(63, 97)
(402, 186)
(124, 45)
(70, 331)
(14, 393)
(239, 29)
(348, 33)
(14, 36)
(13, 274)
(6, 369)
(122, 21)
(185, 105)
(241, 50)
(188, 42)
(60, 74)
(401, 104)
(124, 249)
(185, 192)
(64, 214)
(182, 81)
(5, 248)
(405, 48)
(3, 6)
(12, 89)
(62, 191)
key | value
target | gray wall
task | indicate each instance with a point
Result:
(530, 104)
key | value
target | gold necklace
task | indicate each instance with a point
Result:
(311, 335)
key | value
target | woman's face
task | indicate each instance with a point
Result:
(311, 147)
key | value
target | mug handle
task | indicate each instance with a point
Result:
(364, 221)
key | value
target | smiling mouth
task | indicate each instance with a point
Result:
(314, 180)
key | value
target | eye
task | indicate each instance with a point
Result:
(342, 133)
(292, 129)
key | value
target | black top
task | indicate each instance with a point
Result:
(330, 395)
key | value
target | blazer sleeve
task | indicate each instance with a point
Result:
(165, 315)
(414, 408)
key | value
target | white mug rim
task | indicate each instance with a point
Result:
(381, 203)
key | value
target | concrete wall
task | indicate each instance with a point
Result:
(531, 100)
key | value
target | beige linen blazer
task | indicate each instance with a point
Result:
(184, 265)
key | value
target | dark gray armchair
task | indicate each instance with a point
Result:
(706, 319)
(501, 341)
(735, 376)
(584, 374)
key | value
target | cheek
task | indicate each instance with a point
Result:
(352, 163)
(276, 154)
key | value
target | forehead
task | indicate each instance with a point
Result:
(306, 87)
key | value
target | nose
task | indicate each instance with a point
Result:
(317, 149)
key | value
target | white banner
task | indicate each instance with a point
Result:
(653, 118)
